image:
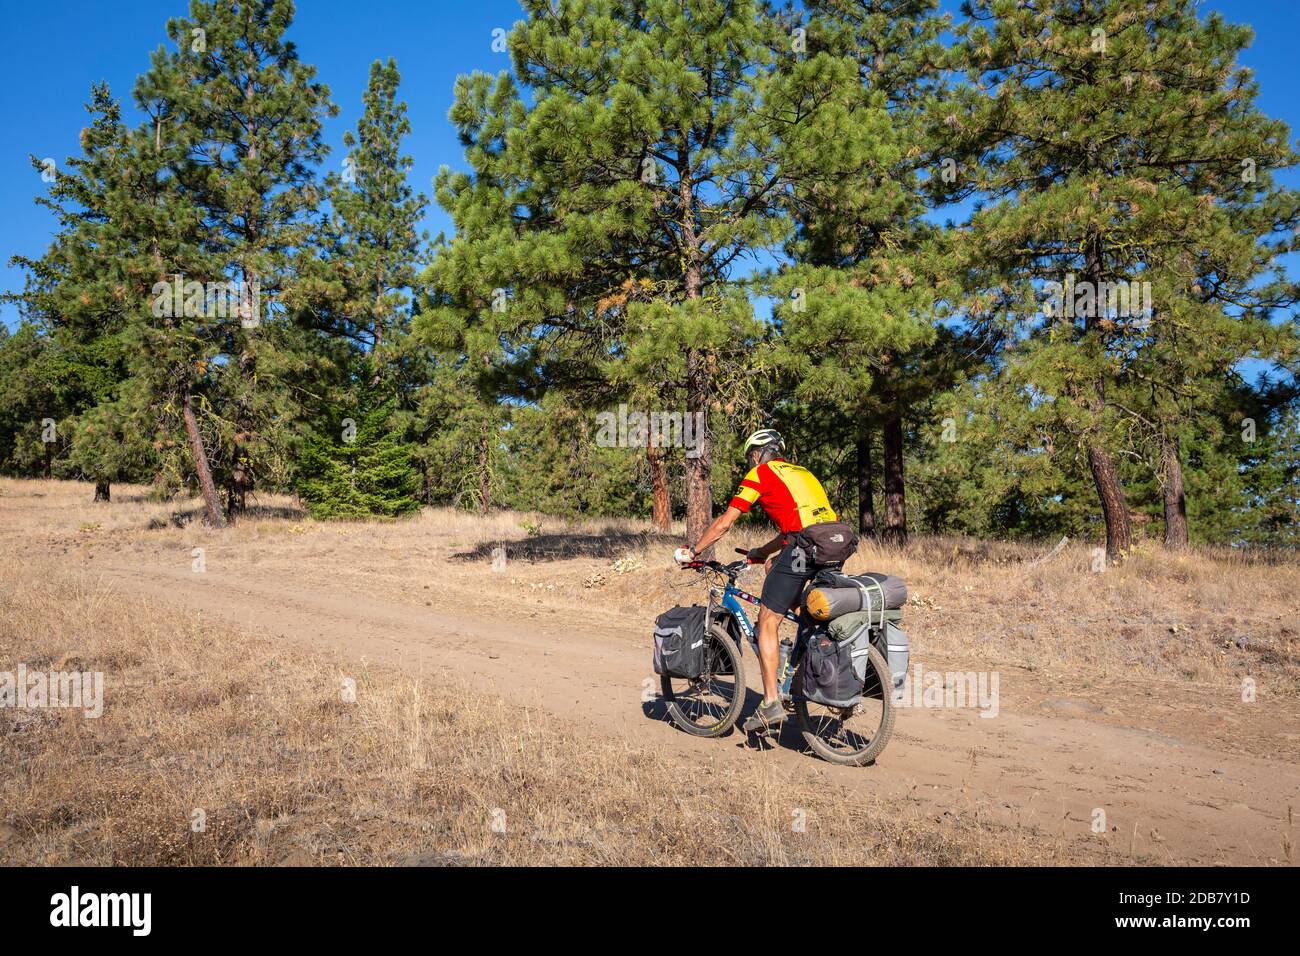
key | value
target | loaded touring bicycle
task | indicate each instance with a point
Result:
(838, 674)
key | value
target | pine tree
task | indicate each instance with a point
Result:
(372, 243)
(77, 302)
(649, 147)
(248, 113)
(1103, 130)
(857, 340)
(174, 319)
(365, 472)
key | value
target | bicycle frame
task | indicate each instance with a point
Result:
(729, 598)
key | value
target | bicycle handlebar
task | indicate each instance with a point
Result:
(731, 569)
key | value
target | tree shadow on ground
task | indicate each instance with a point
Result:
(138, 498)
(561, 546)
(179, 519)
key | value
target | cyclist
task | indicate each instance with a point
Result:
(793, 498)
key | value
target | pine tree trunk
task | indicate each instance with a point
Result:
(699, 493)
(659, 482)
(378, 332)
(895, 531)
(1175, 501)
(49, 459)
(866, 479)
(426, 482)
(102, 492)
(210, 500)
(1114, 509)
(484, 475)
(699, 460)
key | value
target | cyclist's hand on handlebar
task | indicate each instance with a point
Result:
(683, 555)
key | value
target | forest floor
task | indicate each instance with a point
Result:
(456, 689)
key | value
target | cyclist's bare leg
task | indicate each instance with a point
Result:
(769, 651)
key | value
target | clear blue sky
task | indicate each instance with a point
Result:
(56, 49)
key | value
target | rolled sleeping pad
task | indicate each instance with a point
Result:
(841, 594)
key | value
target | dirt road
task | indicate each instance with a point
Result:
(1052, 763)
(1183, 770)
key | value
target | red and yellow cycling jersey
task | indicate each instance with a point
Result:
(791, 495)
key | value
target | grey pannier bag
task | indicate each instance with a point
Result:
(835, 671)
(680, 642)
(887, 637)
(897, 650)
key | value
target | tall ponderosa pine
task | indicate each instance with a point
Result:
(247, 114)
(374, 243)
(1106, 132)
(76, 299)
(868, 271)
(648, 148)
(357, 277)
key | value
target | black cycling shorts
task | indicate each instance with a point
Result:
(785, 582)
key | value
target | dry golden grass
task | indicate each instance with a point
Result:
(1206, 616)
(261, 740)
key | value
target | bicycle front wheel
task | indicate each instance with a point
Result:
(855, 735)
(709, 705)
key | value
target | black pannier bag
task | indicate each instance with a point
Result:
(834, 672)
(681, 642)
(831, 542)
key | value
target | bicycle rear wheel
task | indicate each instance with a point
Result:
(709, 705)
(856, 735)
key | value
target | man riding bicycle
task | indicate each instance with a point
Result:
(794, 499)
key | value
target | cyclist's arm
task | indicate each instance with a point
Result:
(720, 526)
(763, 552)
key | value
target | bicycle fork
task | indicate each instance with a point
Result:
(729, 601)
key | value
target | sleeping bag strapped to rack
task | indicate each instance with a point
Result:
(834, 594)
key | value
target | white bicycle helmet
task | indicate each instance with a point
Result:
(762, 438)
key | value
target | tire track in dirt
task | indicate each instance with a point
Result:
(1167, 799)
